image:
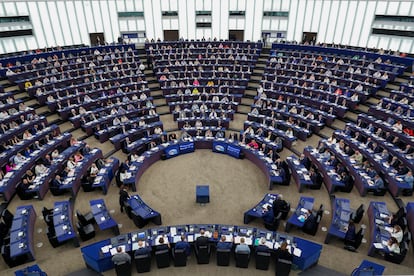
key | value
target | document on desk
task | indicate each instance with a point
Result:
(297, 252)
(378, 245)
(114, 250)
(173, 231)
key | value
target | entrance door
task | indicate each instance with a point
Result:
(97, 39)
(171, 35)
(236, 35)
(309, 37)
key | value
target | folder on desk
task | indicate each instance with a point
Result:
(297, 252)
(378, 245)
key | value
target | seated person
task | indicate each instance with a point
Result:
(409, 179)
(183, 244)
(378, 182)
(397, 233)
(350, 234)
(242, 247)
(393, 245)
(143, 249)
(253, 144)
(93, 172)
(185, 136)
(163, 244)
(262, 247)
(172, 137)
(202, 239)
(57, 181)
(40, 169)
(121, 257)
(223, 244)
(78, 157)
(357, 156)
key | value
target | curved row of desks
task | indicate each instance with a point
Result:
(98, 256)
(221, 145)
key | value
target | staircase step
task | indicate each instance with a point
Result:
(160, 102)
(156, 93)
(11, 88)
(66, 127)
(247, 101)
(164, 109)
(168, 122)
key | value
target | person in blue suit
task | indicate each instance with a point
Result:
(224, 244)
(409, 179)
(183, 244)
(143, 249)
(262, 247)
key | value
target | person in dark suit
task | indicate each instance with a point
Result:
(183, 244)
(224, 244)
(123, 196)
(56, 182)
(262, 247)
(279, 204)
(350, 234)
(202, 239)
(283, 256)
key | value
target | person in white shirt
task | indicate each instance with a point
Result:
(71, 163)
(158, 130)
(19, 159)
(398, 126)
(289, 132)
(397, 233)
(393, 245)
(40, 169)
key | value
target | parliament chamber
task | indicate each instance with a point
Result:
(243, 150)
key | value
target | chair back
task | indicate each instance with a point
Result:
(223, 257)
(163, 258)
(143, 262)
(242, 259)
(203, 254)
(123, 269)
(180, 257)
(262, 260)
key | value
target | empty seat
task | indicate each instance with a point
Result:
(86, 232)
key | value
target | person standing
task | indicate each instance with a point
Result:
(123, 197)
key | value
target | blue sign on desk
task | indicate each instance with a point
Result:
(172, 151)
(233, 151)
(219, 147)
(186, 147)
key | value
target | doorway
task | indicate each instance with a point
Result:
(97, 39)
(171, 35)
(309, 37)
(236, 35)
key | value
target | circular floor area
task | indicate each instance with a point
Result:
(235, 186)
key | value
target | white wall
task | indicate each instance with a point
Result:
(66, 22)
